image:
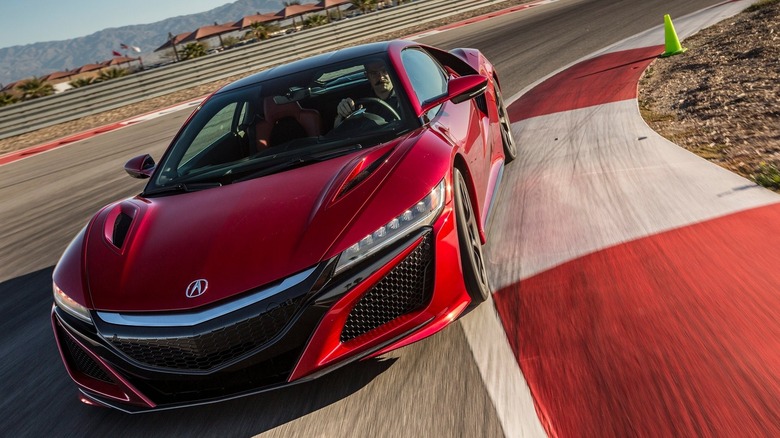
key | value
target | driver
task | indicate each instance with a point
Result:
(381, 85)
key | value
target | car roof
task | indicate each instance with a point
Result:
(315, 61)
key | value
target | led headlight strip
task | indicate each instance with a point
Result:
(421, 214)
(69, 305)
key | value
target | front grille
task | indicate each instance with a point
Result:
(180, 388)
(208, 350)
(82, 362)
(405, 289)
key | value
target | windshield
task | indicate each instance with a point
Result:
(287, 122)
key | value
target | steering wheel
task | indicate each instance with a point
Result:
(376, 101)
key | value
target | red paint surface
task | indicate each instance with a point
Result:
(608, 78)
(677, 334)
(317, 226)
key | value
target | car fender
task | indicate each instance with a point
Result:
(69, 273)
(475, 59)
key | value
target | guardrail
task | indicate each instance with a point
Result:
(74, 104)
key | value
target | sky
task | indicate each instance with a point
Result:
(31, 21)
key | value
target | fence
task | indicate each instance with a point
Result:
(80, 102)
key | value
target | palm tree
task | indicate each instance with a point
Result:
(34, 87)
(113, 73)
(261, 31)
(81, 82)
(7, 99)
(314, 21)
(193, 50)
(364, 5)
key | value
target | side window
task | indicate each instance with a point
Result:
(427, 77)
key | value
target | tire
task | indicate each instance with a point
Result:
(471, 259)
(508, 140)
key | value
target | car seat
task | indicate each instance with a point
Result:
(283, 122)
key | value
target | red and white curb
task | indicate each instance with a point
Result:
(636, 282)
(75, 138)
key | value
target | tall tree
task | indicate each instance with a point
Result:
(7, 99)
(364, 5)
(81, 82)
(193, 50)
(261, 31)
(35, 87)
(315, 20)
(113, 73)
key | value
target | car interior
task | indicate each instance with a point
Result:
(276, 118)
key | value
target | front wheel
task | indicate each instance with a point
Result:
(471, 258)
(508, 140)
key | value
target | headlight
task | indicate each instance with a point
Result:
(67, 304)
(421, 214)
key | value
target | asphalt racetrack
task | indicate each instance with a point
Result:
(434, 387)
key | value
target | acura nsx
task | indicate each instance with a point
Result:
(316, 213)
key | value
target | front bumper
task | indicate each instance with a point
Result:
(320, 323)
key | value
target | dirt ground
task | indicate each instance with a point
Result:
(18, 142)
(720, 98)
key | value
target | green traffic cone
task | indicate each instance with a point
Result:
(673, 46)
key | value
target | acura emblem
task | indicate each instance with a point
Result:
(197, 288)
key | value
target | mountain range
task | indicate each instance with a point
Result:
(38, 59)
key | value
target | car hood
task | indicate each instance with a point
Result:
(142, 254)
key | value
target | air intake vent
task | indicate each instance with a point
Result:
(408, 287)
(361, 172)
(121, 227)
(82, 362)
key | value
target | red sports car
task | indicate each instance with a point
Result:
(310, 215)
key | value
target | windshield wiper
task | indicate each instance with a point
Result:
(300, 161)
(337, 152)
(181, 188)
(295, 162)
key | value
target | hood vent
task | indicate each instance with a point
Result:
(118, 223)
(121, 227)
(361, 172)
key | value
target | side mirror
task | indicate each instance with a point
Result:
(459, 90)
(466, 87)
(140, 167)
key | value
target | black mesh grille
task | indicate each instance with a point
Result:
(83, 363)
(405, 289)
(179, 388)
(208, 350)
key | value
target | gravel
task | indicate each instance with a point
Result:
(720, 98)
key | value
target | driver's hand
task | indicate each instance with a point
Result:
(346, 107)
